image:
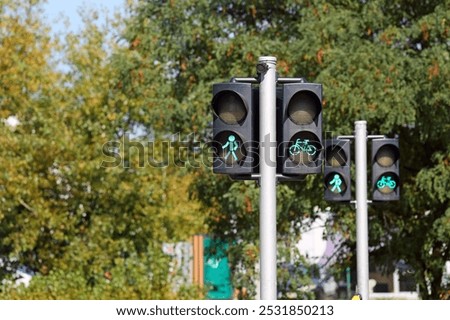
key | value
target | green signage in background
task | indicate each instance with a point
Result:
(216, 269)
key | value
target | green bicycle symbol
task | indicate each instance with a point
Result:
(386, 182)
(302, 146)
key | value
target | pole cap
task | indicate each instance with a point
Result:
(268, 59)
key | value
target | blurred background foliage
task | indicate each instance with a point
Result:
(93, 231)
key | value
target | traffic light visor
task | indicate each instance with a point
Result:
(229, 107)
(304, 107)
(387, 155)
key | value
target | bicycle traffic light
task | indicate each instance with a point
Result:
(385, 169)
(337, 170)
(234, 129)
(300, 135)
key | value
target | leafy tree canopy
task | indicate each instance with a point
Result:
(385, 62)
(382, 61)
(73, 220)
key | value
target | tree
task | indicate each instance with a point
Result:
(381, 61)
(73, 221)
(83, 227)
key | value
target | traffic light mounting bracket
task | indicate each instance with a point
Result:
(257, 176)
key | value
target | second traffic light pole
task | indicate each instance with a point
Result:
(362, 225)
(362, 235)
(267, 199)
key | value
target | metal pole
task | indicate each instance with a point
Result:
(267, 198)
(362, 237)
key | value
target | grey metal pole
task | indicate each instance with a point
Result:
(267, 165)
(362, 236)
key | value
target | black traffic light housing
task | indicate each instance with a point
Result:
(235, 131)
(337, 177)
(385, 160)
(300, 134)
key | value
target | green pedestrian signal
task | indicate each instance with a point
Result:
(235, 132)
(337, 170)
(232, 146)
(336, 183)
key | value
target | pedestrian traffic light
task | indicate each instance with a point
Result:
(385, 169)
(234, 129)
(337, 170)
(300, 135)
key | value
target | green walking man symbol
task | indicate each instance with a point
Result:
(232, 145)
(336, 183)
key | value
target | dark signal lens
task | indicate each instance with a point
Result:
(229, 107)
(303, 108)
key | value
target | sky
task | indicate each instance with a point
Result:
(54, 10)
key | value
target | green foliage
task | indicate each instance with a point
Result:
(72, 220)
(63, 214)
(131, 278)
(381, 61)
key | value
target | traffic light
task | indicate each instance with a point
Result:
(234, 129)
(300, 134)
(385, 169)
(337, 170)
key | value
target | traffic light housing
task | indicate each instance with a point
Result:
(234, 129)
(385, 169)
(337, 177)
(300, 134)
